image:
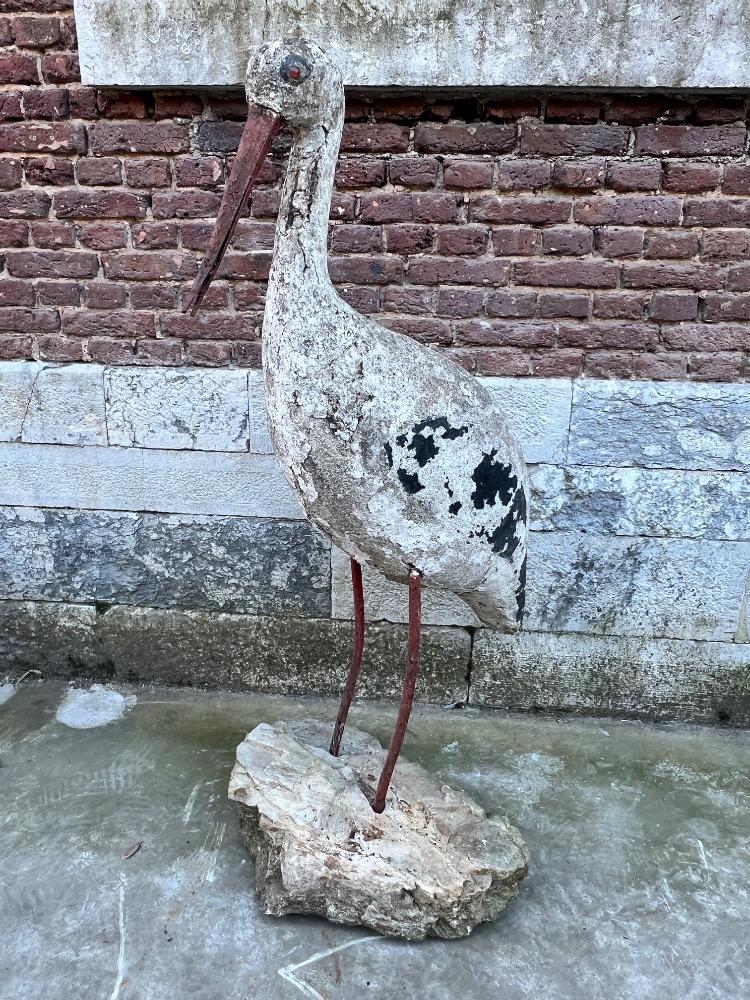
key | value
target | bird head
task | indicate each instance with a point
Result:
(290, 82)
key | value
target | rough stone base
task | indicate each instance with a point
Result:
(433, 864)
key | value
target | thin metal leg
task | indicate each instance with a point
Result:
(407, 694)
(357, 649)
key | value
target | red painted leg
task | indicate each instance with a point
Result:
(407, 695)
(357, 649)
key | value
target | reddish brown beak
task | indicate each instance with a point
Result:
(260, 129)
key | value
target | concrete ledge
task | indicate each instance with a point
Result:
(635, 678)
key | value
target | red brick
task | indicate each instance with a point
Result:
(463, 175)
(10, 105)
(567, 273)
(579, 175)
(443, 270)
(422, 329)
(14, 348)
(738, 278)
(121, 104)
(357, 109)
(24, 205)
(68, 34)
(53, 235)
(198, 171)
(557, 364)
(659, 275)
(458, 303)
(208, 326)
(512, 108)
(150, 266)
(717, 212)
(342, 207)
(248, 296)
(61, 67)
(185, 204)
(571, 109)
(209, 353)
(46, 104)
(52, 264)
(14, 234)
(620, 305)
(661, 367)
(690, 140)
(148, 173)
(399, 108)
(177, 105)
(104, 295)
(83, 102)
(629, 110)
(10, 174)
(573, 305)
(573, 140)
(722, 307)
(615, 335)
(633, 176)
(76, 204)
(102, 172)
(138, 137)
(245, 266)
(53, 347)
(366, 270)
(511, 304)
(6, 32)
(368, 138)
(504, 333)
(415, 171)
(462, 241)
(356, 239)
(103, 235)
(360, 171)
(108, 324)
(627, 211)
(690, 176)
(246, 354)
(18, 68)
(104, 351)
(736, 178)
(415, 301)
(58, 138)
(672, 244)
(248, 235)
(29, 321)
(522, 175)
(216, 298)
(158, 352)
(363, 299)
(155, 235)
(674, 307)
(616, 242)
(16, 293)
(702, 337)
(48, 170)
(538, 211)
(716, 367)
(608, 364)
(218, 137)
(36, 32)
(58, 293)
(479, 138)
(516, 242)
(568, 241)
(430, 206)
(265, 204)
(153, 297)
(720, 110)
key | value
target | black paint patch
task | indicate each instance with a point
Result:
(410, 481)
(425, 446)
(518, 507)
(448, 490)
(495, 481)
(441, 423)
(454, 507)
(521, 592)
(502, 538)
(401, 440)
(424, 449)
(388, 454)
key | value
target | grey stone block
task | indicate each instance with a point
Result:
(538, 413)
(671, 425)
(191, 482)
(66, 406)
(281, 655)
(260, 438)
(650, 587)
(185, 561)
(638, 678)
(16, 384)
(632, 501)
(53, 638)
(177, 408)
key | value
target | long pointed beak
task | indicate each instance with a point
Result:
(260, 129)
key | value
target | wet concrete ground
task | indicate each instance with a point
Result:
(639, 886)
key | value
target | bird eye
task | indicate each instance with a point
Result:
(294, 69)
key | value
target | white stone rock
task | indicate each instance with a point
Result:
(67, 406)
(196, 409)
(433, 863)
(95, 707)
(16, 383)
(538, 413)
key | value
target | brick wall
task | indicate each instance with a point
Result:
(544, 235)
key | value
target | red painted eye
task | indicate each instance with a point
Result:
(294, 73)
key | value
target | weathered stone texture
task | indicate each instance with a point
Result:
(639, 678)
(183, 561)
(16, 383)
(163, 408)
(649, 587)
(189, 482)
(432, 864)
(53, 638)
(675, 425)
(66, 406)
(538, 413)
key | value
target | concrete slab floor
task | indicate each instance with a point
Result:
(639, 886)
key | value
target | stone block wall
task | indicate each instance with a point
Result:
(534, 233)
(146, 532)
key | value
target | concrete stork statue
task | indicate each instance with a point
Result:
(397, 454)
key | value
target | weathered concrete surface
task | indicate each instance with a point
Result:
(66, 406)
(660, 425)
(663, 502)
(433, 864)
(538, 413)
(197, 409)
(626, 677)
(54, 638)
(16, 384)
(182, 482)
(181, 560)
(638, 888)
(649, 587)
(420, 43)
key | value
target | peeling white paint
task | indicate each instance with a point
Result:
(94, 707)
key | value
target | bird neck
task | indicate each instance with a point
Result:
(301, 248)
